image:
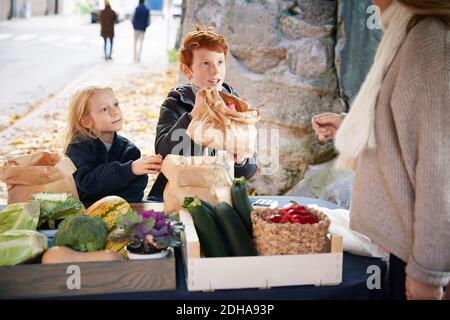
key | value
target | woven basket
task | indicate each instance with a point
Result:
(289, 238)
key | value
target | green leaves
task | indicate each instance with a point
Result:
(57, 206)
(19, 216)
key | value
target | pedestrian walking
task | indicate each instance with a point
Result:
(141, 20)
(108, 18)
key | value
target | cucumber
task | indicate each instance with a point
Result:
(187, 201)
(212, 211)
(241, 203)
(208, 233)
(241, 244)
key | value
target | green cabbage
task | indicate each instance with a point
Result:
(16, 216)
(17, 246)
(57, 206)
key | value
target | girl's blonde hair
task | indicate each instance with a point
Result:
(439, 9)
(78, 107)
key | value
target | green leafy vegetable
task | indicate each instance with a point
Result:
(17, 246)
(18, 216)
(57, 206)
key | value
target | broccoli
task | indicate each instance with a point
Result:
(82, 233)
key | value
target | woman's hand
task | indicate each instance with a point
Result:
(147, 165)
(416, 290)
(326, 124)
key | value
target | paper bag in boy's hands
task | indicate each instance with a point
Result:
(216, 126)
(38, 172)
(209, 178)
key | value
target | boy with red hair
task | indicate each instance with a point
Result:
(202, 57)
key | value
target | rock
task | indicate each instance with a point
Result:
(284, 99)
(317, 12)
(293, 28)
(311, 57)
(282, 158)
(322, 151)
(324, 182)
(259, 60)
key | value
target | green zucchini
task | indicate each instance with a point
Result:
(241, 203)
(212, 211)
(241, 244)
(211, 240)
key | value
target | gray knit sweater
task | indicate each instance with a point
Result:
(401, 196)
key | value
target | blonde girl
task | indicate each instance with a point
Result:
(107, 163)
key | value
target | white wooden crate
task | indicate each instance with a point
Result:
(208, 274)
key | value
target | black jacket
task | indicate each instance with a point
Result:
(171, 136)
(101, 173)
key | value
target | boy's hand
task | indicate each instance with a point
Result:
(201, 94)
(147, 165)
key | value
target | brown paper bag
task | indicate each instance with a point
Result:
(38, 172)
(215, 126)
(209, 178)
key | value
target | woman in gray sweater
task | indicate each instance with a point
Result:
(395, 137)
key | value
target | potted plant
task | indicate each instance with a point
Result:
(150, 234)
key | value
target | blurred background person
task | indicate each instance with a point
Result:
(108, 18)
(141, 20)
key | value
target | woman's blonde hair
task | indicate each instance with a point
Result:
(439, 9)
(78, 108)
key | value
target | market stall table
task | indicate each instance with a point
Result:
(356, 273)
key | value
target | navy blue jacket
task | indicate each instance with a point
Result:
(101, 173)
(141, 17)
(174, 118)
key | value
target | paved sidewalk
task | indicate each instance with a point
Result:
(140, 89)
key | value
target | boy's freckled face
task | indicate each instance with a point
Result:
(208, 68)
(105, 112)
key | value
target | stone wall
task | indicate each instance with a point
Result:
(282, 61)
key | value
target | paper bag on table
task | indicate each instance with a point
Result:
(38, 172)
(218, 127)
(207, 177)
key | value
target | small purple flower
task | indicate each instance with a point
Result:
(160, 232)
(164, 229)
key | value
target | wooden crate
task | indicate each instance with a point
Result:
(51, 280)
(208, 274)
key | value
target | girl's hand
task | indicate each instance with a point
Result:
(416, 290)
(147, 165)
(325, 125)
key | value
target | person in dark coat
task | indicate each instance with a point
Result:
(141, 20)
(107, 163)
(108, 18)
(202, 61)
